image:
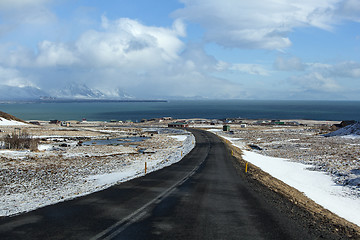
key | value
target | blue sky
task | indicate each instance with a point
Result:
(260, 49)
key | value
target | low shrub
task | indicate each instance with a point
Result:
(20, 140)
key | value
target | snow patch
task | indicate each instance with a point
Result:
(318, 186)
(6, 122)
(180, 138)
(350, 130)
(33, 198)
(137, 168)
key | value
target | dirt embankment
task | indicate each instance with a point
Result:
(316, 216)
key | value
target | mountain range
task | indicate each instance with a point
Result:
(70, 91)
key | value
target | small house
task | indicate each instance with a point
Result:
(226, 128)
(65, 124)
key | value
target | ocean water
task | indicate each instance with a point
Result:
(211, 109)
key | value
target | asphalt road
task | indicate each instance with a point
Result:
(204, 196)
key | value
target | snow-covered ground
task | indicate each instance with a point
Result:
(30, 180)
(352, 130)
(316, 185)
(6, 122)
(153, 163)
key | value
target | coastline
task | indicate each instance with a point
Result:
(186, 109)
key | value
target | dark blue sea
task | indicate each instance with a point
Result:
(211, 109)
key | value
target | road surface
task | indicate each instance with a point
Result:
(204, 196)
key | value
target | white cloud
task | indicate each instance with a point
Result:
(258, 23)
(289, 64)
(55, 54)
(196, 58)
(12, 77)
(316, 81)
(17, 13)
(339, 78)
(128, 43)
(123, 43)
(144, 60)
(254, 69)
(349, 10)
(348, 69)
(20, 4)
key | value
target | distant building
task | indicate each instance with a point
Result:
(65, 124)
(347, 123)
(226, 128)
(54, 121)
(167, 118)
(335, 127)
(293, 123)
(178, 125)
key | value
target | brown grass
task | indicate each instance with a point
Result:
(10, 117)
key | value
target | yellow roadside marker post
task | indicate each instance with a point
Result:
(145, 167)
(246, 167)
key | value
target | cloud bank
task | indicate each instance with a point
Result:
(163, 61)
(145, 60)
(263, 24)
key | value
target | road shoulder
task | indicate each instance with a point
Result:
(315, 217)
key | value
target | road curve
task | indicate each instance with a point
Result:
(204, 196)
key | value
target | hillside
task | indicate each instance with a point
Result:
(9, 118)
(353, 129)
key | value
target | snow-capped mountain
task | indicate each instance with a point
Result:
(353, 129)
(77, 91)
(69, 91)
(20, 93)
(117, 94)
(82, 91)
